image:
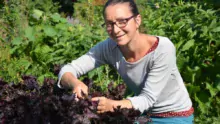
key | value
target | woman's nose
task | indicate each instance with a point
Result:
(116, 29)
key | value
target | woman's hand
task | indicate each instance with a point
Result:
(78, 87)
(80, 90)
(104, 104)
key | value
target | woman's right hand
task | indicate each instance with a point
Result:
(80, 90)
(78, 87)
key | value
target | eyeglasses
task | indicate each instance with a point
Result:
(121, 23)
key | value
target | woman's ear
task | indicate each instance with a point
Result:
(138, 20)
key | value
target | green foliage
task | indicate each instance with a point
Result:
(14, 16)
(34, 37)
(48, 39)
(88, 14)
(195, 32)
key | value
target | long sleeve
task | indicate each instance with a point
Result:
(91, 60)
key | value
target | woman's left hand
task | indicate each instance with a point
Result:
(104, 104)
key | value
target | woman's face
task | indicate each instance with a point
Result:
(119, 14)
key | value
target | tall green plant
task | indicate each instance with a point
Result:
(195, 31)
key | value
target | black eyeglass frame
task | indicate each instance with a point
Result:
(116, 22)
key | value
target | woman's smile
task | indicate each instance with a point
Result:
(119, 36)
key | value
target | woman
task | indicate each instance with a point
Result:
(146, 63)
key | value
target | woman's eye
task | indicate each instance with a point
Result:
(108, 24)
(122, 21)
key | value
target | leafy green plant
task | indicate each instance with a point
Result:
(195, 31)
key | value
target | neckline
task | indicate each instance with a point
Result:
(152, 49)
(154, 46)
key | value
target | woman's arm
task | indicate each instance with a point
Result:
(69, 74)
(68, 80)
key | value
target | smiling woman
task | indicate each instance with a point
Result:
(146, 63)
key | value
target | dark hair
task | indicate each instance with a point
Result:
(132, 4)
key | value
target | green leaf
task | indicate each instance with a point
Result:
(211, 89)
(179, 44)
(213, 24)
(56, 17)
(42, 54)
(181, 62)
(217, 29)
(63, 20)
(204, 30)
(29, 33)
(56, 59)
(37, 14)
(202, 98)
(61, 26)
(24, 64)
(188, 45)
(41, 79)
(192, 88)
(45, 49)
(218, 86)
(16, 41)
(218, 53)
(50, 31)
(217, 82)
(12, 50)
(160, 32)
